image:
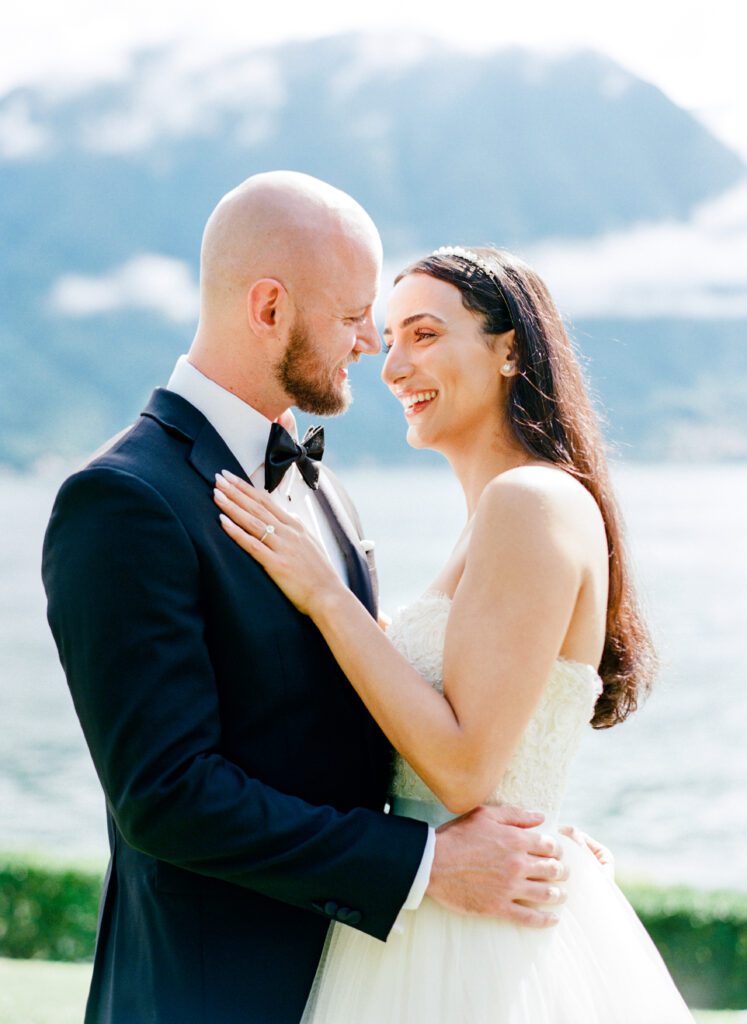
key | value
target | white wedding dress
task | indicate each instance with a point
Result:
(597, 966)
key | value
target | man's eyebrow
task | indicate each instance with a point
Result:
(412, 319)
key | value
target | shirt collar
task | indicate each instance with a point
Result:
(244, 430)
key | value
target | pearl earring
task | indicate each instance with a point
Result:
(507, 368)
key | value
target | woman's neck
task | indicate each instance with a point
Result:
(480, 461)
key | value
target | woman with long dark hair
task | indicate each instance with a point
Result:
(484, 684)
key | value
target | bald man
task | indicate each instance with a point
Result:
(244, 779)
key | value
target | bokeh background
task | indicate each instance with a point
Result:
(606, 143)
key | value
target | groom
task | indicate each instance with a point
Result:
(244, 779)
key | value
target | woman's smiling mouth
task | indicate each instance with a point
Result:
(415, 401)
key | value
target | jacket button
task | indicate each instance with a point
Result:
(330, 908)
(347, 916)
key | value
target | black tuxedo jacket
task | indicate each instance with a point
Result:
(244, 779)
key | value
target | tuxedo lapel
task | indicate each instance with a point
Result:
(209, 453)
(377, 745)
(358, 573)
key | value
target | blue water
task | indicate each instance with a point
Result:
(666, 790)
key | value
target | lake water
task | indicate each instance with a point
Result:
(667, 790)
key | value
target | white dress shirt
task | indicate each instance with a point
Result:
(245, 432)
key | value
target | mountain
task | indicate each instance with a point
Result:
(115, 181)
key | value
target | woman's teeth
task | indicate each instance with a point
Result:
(417, 398)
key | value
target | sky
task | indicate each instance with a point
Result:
(692, 50)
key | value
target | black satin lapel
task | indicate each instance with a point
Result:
(210, 454)
(376, 743)
(358, 574)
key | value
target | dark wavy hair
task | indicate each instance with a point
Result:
(551, 416)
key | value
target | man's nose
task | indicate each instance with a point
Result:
(367, 339)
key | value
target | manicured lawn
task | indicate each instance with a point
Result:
(713, 1017)
(39, 992)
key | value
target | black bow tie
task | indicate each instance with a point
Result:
(283, 451)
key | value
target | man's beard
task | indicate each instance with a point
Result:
(308, 379)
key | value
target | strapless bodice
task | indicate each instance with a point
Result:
(536, 776)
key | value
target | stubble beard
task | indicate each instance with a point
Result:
(308, 379)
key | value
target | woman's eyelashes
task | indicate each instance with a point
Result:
(419, 335)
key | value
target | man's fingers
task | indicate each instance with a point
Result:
(544, 846)
(507, 814)
(547, 869)
(528, 917)
(540, 893)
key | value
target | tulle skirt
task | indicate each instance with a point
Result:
(597, 966)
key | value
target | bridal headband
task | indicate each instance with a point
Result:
(470, 256)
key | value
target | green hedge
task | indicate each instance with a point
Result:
(703, 939)
(50, 913)
(47, 913)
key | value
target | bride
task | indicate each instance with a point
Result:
(484, 684)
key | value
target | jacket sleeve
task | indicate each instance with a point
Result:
(122, 581)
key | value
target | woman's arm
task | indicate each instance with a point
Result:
(508, 619)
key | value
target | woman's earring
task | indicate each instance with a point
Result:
(507, 368)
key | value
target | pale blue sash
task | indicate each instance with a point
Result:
(433, 814)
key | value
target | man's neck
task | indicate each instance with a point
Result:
(271, 402)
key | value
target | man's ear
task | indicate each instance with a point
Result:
(265, 305)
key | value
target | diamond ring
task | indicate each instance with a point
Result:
(268, 531)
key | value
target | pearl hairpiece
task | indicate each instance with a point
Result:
(466, 254)
(477, 261)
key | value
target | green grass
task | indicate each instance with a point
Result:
(40, 992)
(721, 1016)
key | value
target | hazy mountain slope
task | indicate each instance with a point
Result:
(660, 397)
(508, 147)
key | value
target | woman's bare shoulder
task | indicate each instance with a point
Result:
(541, 495)
(539, 484)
